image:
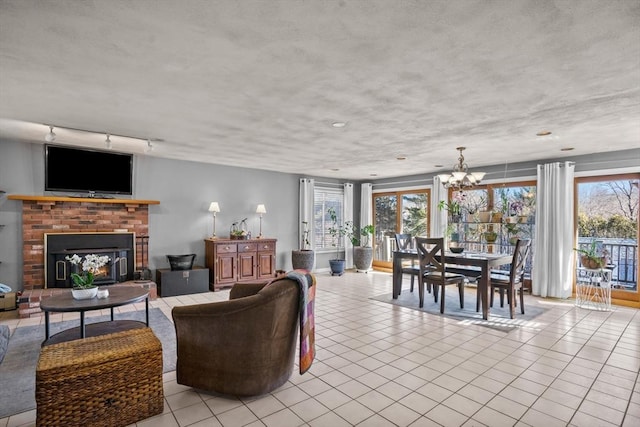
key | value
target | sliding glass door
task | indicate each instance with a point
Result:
(398, 212)
(607, 217)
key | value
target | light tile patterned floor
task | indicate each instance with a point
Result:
(383, 365)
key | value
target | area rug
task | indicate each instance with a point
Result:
(18, 369)
(498, 317)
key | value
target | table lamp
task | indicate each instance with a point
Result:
(214, 207)
(261, 210)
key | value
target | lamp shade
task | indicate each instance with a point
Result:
(261, 209)
(214, 207)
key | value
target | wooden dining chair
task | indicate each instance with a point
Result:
(433, 271)
(404, 241)
(513, 281)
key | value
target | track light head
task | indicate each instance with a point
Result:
(50, 137)
(108, 142)
(149, 146)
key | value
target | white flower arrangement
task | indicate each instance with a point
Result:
(90, 266)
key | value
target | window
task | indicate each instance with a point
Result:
(398, 212)
(325, 198)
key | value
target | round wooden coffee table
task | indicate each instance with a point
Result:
(118, 296)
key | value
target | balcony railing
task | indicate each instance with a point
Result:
(623, 257)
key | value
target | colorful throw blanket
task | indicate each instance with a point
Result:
(307, 283)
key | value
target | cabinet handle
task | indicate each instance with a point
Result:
(265, 247)
(246, 247)
(227, 248)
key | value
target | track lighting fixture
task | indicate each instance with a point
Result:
(50, 137)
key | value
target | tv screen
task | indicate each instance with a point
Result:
(87, 171)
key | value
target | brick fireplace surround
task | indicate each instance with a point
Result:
(50, 214)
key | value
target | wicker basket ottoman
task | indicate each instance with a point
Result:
(108, 380)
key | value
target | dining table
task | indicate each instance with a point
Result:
(479, 263)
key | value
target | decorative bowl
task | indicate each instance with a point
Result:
(456, 250)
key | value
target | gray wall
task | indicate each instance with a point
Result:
(180, 222)
(626, 159)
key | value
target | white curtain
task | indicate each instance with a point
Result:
(348, 216)
(438, 216)
(305, 212)
(552, 273)
(366, 195)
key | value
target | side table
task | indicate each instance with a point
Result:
(593, 288)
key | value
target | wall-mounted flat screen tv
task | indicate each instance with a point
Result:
(82, 170)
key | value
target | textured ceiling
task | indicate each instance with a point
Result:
(259, 83)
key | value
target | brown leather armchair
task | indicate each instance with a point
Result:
(245, 346)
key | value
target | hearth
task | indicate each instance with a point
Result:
(119, 247)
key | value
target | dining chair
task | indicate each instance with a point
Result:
(433, 271)
(404, 241)
(514, 281)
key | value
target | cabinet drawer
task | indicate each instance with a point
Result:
(226, 248)
(247, 247)
(266, 246)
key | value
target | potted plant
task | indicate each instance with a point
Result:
(453, 238)
(512, 232)
(83, 287)
(303, 258)
(454, 208)
(592, 258)
(362, 250)
(239, 232)
(337, 232)
(490, 236)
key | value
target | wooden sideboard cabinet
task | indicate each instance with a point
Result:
(230, 261)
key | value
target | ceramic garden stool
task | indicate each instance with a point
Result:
(107, 380)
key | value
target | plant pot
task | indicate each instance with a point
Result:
(362, 257)
(513, 240)
(86, 293)
(484, 216)
(593, 263)
(522, 219)
(337, 266)
(302, 259)
(511, 219)
(238, 237)
(496, 217)
(490, 236)
(456, 218)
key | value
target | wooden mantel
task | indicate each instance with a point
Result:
(81, 199)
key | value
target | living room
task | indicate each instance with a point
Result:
(235, 102)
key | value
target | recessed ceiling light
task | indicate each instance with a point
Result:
(373, 174)
(338, 124)
(401, 158)
(567, 149)
(438, 166)
(544, 133)
(334, 169)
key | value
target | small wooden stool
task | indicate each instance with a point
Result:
(107, 380)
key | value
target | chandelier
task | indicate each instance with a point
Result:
(460, 178)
